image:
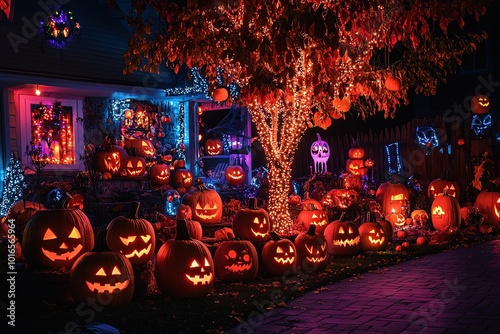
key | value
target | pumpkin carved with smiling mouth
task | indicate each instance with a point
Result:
(205, 203)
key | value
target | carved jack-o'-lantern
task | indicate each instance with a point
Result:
(393, 197)
(108, 162)
(419, 217)
(205, 204)
(235, 175)
(320, 153)
(311, 250)
(55, 238)
(480, 104)
(373, 237)
(340, 198)
(279, 255)
(313, 216)
(356, 153)
(143, 147)
(439, 186)
(183, 178)
(356, 167)
(445, 213)
(134, 166)
(213, 146)
(488, 203)
(252, 223)
(106, 277)
(171, 201)
(184, 267)
(159, 175)
(342, 238)
(132, 236)
(236, 260)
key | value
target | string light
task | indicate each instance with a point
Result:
(388, 156)
(37, 91)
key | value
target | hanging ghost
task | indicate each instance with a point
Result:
(320, 152)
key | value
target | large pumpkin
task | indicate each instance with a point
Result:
(393, 197)
(205, 204)
(279, 256)
(159, 175)
(488, 203)
(372, 216)
(440, 186)
(480, 104)
(56, 238)
(235, 175)
(342, 237)
(184, 267)
(445, 213)
(105, 277)
(213, 146)
(311, 250)
(373, 237)
(236, 261)
(252, 223)
(132, 236)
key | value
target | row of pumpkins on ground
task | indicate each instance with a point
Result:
(115, 161)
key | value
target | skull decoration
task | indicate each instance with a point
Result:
(279, 255)
(56, 238)
(236, 260)
(103, 276)
(132, 236)
(480, 124)
(171, 200)
(311, 250)
(184, 267)
(252, 223)
(419, 217)
(320, 152)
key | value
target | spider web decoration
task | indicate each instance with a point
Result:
(427, 137)
(480, 124)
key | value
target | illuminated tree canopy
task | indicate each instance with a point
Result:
(291, 59)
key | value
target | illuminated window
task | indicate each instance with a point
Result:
(50, 132)
(393, 158)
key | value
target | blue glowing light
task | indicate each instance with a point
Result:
(480, 124)
(393, 158)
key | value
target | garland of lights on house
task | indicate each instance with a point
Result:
(181, 146)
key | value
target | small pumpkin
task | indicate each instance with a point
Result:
(221, 94)
(373, 237)
(159, 174)
(252, 223)
(236, 261)
(205, 203)
(294, 199)
(342, 237)
(480, 104)
(392, 83)
(279, 255)
(343, 105)
(213, 146)
(183, 178)
(311, 250)
(235, 175)
(132, 236)
(184, 267)
(356, 153)
(445, 213)
(105, 277)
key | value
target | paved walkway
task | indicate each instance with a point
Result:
(457, 291)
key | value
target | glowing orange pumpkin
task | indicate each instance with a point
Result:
(108, 162)
(236, 261)
(159, 175)
(205, 204)
(311, 250)
(279, 255)
(356, 153)
(343, 105)
(134, 166)
(439, 186)
(392, 83)
(213, 146)
(342, 237)
(104, 277)
(445, 213)
(480, 104)
(220, 94)
(252, 223)
(313, 216)
(235, 175)
(356, 167)
(488, 203)
(143, 147)
(393, 197)
(373, 237)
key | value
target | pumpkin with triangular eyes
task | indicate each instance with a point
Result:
(132, 236)
(236, 261)
(252, 223)
(105, 277)
(373, 237)
(213, 146)
(312, 215)
(134, 166)
(441, 186)
(56, 238)
(279, 255)
(205, 203)
(342, 238)
(159, 175)
(311, 250)
(184, 266)
(108, 162)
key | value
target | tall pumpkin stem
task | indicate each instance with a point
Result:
(252, 203)
(274, 235)
(311, 230)
(182, 230)
(342, 216)
(134, 210)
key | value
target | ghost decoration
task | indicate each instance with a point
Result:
(480, 124)
(320, 152)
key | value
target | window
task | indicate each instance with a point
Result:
(49, 129)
